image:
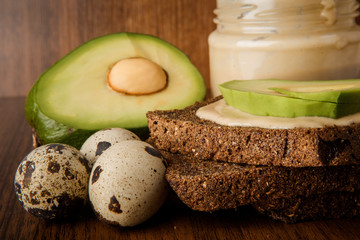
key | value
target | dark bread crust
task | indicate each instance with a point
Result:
(313, 207)
(181, 131)
(210, 186)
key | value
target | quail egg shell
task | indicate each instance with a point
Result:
(52, 181)
(101, 140)
(127, 183)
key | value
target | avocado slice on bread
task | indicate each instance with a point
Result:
(285, 98)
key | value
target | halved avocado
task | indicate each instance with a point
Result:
(258, 97)
(73, 98)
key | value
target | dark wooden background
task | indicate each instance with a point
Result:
(36, 33)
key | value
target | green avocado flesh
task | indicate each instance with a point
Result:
(71, 99)
(335, 91)
(284, 98)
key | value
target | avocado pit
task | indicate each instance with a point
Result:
(136, 76)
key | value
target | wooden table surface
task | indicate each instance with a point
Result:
(173, 221)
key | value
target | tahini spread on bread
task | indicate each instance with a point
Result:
(221, 113)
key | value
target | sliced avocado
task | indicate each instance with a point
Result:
(76, 97)
(258, 97)
(336, 91)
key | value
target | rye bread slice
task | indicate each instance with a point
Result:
(314, 207)
(210, 185)
(181, 131)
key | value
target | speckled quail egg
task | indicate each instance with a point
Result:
(127, 183)
(101, 140)
(52, 181)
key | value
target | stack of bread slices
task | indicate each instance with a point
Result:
(288, 174)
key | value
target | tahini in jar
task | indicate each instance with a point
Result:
(296, 40)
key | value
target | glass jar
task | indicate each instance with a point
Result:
(296, 40)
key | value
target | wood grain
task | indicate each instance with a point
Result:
(173, 221)
(34, 34)
(37, 33)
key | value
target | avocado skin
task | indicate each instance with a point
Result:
(47, 130)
